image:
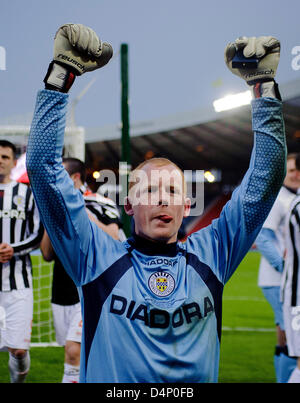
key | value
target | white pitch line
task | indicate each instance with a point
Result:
(249, 329)
(242, 298)
(50, 344)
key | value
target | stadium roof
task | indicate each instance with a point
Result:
(200, 139)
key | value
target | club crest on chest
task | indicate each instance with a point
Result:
(161, 283)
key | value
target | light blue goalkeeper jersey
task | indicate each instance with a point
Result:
(151, 314)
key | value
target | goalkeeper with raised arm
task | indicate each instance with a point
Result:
(151, 305)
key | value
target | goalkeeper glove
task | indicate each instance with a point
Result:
(77, 50)
(261, 79)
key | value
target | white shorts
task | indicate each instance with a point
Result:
(67, 323)
(16, 313)
(292, 329)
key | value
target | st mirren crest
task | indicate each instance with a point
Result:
(19, 201)
(161, 283)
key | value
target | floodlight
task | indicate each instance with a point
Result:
(232, 101)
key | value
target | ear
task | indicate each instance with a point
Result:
(76, 179)
(76, 176)
(187, 207)
(128, 206)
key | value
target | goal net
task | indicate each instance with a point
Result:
(43, 333)
(42, 327)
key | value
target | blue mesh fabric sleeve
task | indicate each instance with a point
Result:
(61, 206)
(225, 242)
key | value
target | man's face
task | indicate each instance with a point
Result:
(292, 179)
(7, 163)
(158, 203)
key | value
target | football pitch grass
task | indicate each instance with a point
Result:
(247, 345)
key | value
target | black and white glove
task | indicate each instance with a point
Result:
(77, 50)
(261, 79)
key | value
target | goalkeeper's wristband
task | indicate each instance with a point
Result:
(59, 77)
(267, 89)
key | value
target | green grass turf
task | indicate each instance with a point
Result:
(247, 344)
(46, 365)
(247, 356)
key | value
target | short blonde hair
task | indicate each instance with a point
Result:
(156, 162)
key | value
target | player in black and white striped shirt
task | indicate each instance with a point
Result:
(291, 282)
(20, 232)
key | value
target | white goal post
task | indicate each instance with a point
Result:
(74, 139)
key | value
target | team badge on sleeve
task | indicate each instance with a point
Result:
(161, 283)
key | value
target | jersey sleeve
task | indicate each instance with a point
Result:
(103, 212)
(267, 244)
(224, 243)
(84, 249)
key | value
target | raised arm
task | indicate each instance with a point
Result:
(74, 237)
(242, 217)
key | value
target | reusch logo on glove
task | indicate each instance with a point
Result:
(64, 57)
(259, 73)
